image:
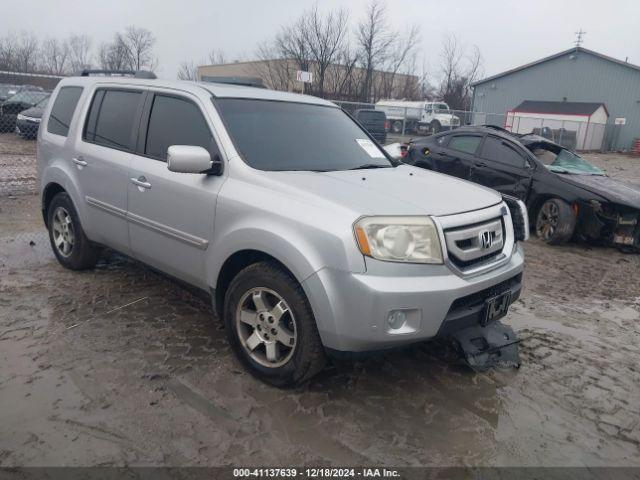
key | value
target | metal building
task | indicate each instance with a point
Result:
(575, 75)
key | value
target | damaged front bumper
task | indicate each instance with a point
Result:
(610, 224)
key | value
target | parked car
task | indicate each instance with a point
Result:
(567, 197)
(10, 109)
(418, 116)
(7, 90)
(307, 237)
(28, 121)
(374, 122)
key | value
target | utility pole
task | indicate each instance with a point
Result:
(579, 34)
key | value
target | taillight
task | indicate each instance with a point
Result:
(386, 125)
(404, 151)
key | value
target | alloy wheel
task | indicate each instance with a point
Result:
(548, 220)
(63, 233)
(266, 327)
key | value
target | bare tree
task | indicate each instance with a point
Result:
(216, 57)
(26, 53)
(139, 43)
(374, 39)
(324, 37)
(8, 49)
(114, 55)
(343, 77)
(459, 71)
(131, 50)
(55, 56)
(188, 71)
(79, 52)
(273, 68)
(398, 61)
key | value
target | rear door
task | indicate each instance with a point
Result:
(503, 166)
(171, 214)
(454, 155)
(102, 156)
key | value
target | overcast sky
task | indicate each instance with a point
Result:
(508, 33)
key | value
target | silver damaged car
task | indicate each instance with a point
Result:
(308, 237)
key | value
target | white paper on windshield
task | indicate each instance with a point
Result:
(369, 147)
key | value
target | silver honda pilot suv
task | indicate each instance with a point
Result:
(309, 238)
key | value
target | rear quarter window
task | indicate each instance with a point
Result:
(62, 110)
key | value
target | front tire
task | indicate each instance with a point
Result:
(70, 245)
(555, 222)
(435, 126)
(271, 327)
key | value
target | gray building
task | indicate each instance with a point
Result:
(575, 75)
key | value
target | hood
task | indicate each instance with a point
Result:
(33, 112)
(615, 191)
(403, 190)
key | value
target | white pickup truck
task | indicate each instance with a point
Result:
(417, 116)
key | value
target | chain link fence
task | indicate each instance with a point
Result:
(405, 120)
(21, 107)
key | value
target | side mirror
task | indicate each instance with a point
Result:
(191, 159)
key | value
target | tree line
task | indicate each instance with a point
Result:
(363, 61)
(131, 49)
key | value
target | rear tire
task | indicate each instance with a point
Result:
(555, 222)
(396, 126)
(70, 245)
(271, 327)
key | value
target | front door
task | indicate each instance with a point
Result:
(501, 165)
(171, 214)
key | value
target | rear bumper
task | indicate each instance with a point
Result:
(26, 128)
(352, 310)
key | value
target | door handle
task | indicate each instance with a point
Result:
(481, 165)
(141, 183)
(80, 162)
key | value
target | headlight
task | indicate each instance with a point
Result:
(399, 239)
(21, 117)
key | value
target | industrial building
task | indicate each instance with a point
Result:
(340, 83)
(601, 97)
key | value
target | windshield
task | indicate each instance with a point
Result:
(42, 103)
(566, 162)
(30, 97)
(5, 91)
(276, 136)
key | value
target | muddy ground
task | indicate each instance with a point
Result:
(121, 366)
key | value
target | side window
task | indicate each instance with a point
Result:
(62, 111)
(499, 150)
(465, 143)
(111, 118)
(176, 121)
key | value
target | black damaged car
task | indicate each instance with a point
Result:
(566, 196)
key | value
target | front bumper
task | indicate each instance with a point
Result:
(351, 310)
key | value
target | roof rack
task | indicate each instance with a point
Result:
(120, 73)
(255, 82)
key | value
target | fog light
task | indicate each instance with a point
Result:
(396, 319)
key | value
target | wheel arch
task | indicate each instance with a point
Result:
(48, 192)
(235, 263)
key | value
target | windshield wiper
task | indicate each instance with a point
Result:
(369, 165)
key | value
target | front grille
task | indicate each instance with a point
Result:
(472, 245)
